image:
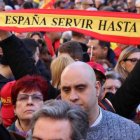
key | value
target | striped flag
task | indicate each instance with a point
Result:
(48, 4)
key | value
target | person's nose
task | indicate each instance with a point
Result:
(30, 100)
(81, 7)
(73, 96)
(89, 50)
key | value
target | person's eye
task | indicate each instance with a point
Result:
(66, 90)
(94, 48)
(134, 60)
(38, 98)
(108, 88)
(22, 98)
(81, 88)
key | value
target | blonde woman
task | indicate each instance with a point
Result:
(127, 60)
(57, 66)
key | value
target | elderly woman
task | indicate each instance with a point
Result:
(28, 95)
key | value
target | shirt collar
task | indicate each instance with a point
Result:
(99, 118)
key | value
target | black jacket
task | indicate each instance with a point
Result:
(43, 70)
(3, 80)
(5, 135)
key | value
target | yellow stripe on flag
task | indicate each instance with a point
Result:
(92, 23)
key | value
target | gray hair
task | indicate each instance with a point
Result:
(61, 110)
(114, 75)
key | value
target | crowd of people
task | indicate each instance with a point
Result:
(67, 85)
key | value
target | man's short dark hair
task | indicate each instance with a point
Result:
(77, 34)
(104, 44)
(61, 110)
(73, 48)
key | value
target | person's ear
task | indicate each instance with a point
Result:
(105, 50)
(98, 88)
(122, 63)
(14, 109)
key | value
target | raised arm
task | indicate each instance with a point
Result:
(19, 61)
(16, 54)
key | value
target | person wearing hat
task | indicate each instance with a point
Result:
(7, 114)
(101, 78)
(7, 109)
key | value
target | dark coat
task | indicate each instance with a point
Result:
(6, 135)
(3, 80)
(127, 97)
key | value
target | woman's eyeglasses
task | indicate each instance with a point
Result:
(25, 97)
(133, 60)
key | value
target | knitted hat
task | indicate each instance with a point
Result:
(7, 110)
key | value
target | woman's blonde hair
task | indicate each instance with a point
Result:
(123, 56)
(57, 67)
